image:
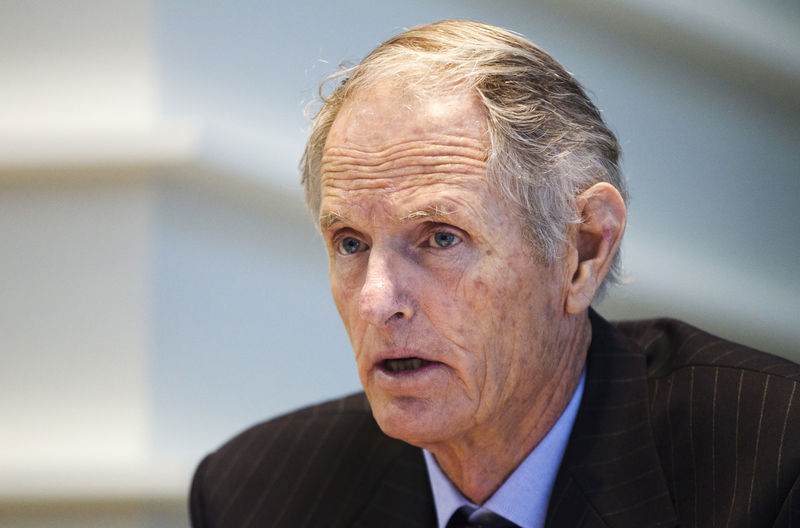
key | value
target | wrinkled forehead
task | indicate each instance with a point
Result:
(383, 114)
(392, 150)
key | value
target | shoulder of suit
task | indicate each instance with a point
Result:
(725, 421)
(671, 345)
(332, 417)
(290, 459)
(298, 468)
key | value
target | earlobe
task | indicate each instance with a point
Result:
(595, 242)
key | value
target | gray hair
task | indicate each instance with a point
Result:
(548, 142)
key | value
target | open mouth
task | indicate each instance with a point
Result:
(404, 364)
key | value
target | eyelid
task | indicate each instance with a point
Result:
(337, 235)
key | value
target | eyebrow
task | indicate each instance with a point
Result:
(433, 211)
(330, 218)
(438, 210)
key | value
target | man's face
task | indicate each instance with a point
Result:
(451, 316)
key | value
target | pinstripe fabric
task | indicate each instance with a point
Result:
(727, 426)
(676, 428)
(327, 465)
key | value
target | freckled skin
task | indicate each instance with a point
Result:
(483, 307)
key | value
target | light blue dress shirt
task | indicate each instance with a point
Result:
(524, 496)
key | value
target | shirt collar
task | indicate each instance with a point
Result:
(524, 496)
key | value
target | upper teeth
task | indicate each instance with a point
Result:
(398, 365)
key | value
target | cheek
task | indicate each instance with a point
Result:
(346, 272)
(481, 302)
(504, 304)
(492, 294)
(338, 294)
(345, 298)
(346, 275)
(449, 302)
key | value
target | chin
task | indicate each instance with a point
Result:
(411, 420)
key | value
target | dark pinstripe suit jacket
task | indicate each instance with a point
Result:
(676, 428)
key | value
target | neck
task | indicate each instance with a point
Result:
(480, 462)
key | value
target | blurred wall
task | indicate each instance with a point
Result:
(162, 286)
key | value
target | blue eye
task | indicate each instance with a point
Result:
(443, 239)
(350, 245)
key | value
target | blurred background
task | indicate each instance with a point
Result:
(162, 287)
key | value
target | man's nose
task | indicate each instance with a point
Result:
(384, 294)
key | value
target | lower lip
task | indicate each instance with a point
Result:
(409, 379)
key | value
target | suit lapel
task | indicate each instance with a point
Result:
(611, 475)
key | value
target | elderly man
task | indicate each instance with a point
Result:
(469, 196)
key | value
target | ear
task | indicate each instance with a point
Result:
(596, 240)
